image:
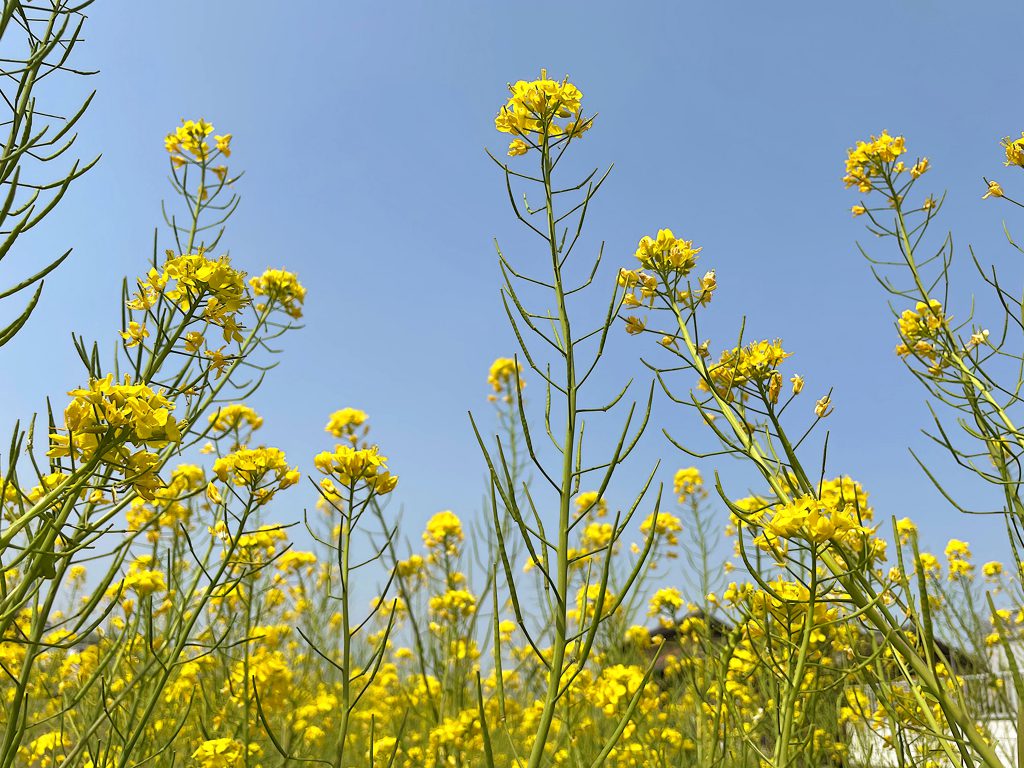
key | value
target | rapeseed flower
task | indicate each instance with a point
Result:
(534, 108)
(281, 287)
(870, 160)
(444, 533)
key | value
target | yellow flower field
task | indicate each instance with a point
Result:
(155, 611)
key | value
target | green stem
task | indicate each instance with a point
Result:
(558, 648)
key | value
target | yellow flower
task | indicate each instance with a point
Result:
(281, 287)
(505, 629)
(411, 567)
(233, 416)
(757, 362)
(905, 528)
(453, 605)
(823, 407)
(870, 159)
(224, 144)
(263, 470)
(534, 107)
(193, 282)
(135, 334)
(666, 526)
(262, 541)
(687, 482)
(920, 329)
(590, 502)
(46, 751)
(839, 514)
(668, 601)
(858, 210)
(587, 598)
(294, 561)
(503, 372)
(774, 387)
(978, 338)
(615, 687)
(920, 167)
(189, 137)
(958, 554)
(638, 634)
(994, 190)
(635, 325)
(708, 285)
(141, 579)
(1014, 150)
(355, 466)
(992, 569)
(444, 532)
(930, 565)
(107, 417)
(597, 535)
(343, 422)
(667, 254)
(193, 341)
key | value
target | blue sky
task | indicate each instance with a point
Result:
(362, 126)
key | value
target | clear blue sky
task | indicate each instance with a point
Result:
(362, 128)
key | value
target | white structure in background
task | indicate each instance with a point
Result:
(990, 697)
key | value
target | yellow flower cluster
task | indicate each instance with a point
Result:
(818, 521)
(46, 751)
(845, 490)
(139, 415)
(503, 372)
(640, 287)
(920, 328)
(615, 686)
(688, 483)
(444, 533)
(1014, 150)
(268, 669)
(219, 753)
(666, 254)
(453, 605)
(958, 555)
(263, 470)
(756, 363)
(532, 109)
(262, 542)
(102, 420)
(590, 501)
(188, 142)
(784, 607)
(344, 423)
(992, 569)
(191, 280)
(234, 416)
(869, 159)
(168, 508)
(665, 526)
(281, 287)
(930, 565)
(142, 579)
(135, 334)
(667, 600)
(597, 535)
(587, 598)
(357, 466)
